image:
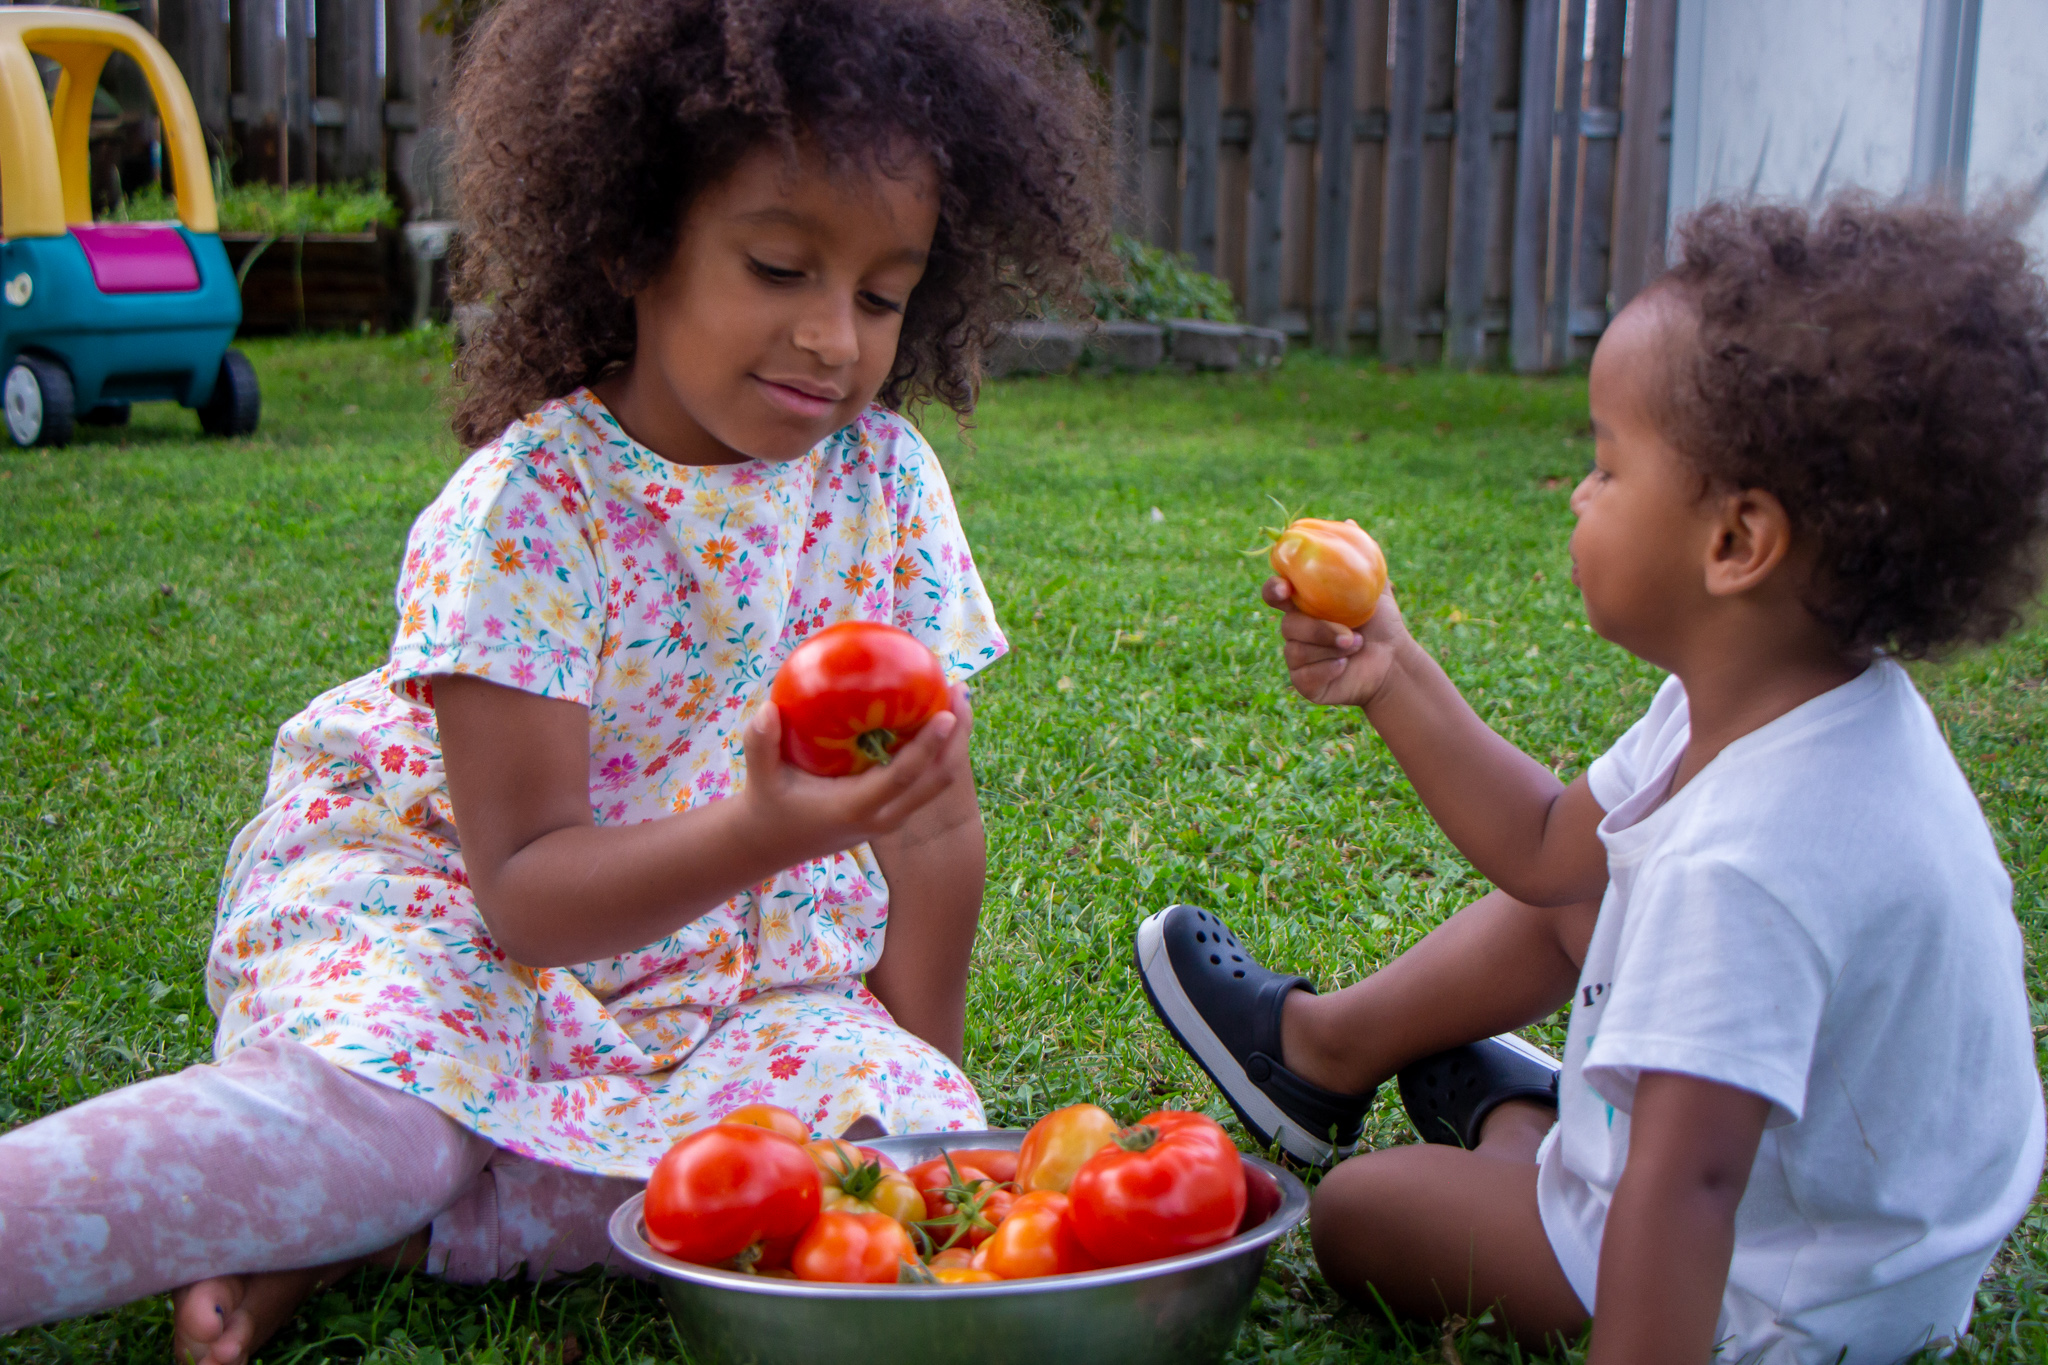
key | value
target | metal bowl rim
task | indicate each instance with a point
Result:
(625, 1235)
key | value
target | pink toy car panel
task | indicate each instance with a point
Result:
(137, 258)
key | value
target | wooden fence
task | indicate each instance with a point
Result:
(1472, 181)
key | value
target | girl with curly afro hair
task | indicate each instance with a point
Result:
(546, 892)
(1797, 1110)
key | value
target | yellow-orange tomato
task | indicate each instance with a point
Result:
(1057, 1145)
(1036, 1239)
(852, 1181)
(965, 1275)
(1336, 570)
(772, 1117)
(952, 1258)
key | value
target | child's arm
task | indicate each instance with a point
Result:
(934, 864)
(1526, 832)
(1671, 1229)
(554, 888)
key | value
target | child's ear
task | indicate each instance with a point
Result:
(1751, 538)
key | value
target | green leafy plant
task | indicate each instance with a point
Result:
(1158, 285)
(275, 212)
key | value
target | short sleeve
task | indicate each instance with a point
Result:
(1617, 774)
(500, 580)
(1715, 978)
(938, 593)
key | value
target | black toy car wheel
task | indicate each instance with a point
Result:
(39, 400)
(236, 404)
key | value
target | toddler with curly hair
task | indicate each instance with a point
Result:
(1797, 1110)
(538, 895)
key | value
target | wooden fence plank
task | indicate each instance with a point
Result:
(1400, 258)
(298, 90)
(195, 32)
(1368, 164)
(1643, 178)
(1471, 189)
(1533, 157)
(1564, 195)
(1330, 311)
(1601, 125)
(1270, 21)
(1132, 95)
(1201, 127)
(362, 94)
(1162, 152)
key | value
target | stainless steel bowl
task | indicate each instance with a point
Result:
(1179, 1311)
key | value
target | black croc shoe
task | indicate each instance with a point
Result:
(1224, 1009)
(1449, 1095)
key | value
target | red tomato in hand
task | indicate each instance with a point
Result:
(853, 1248)
(1172, 1182)
(853, 694)
(728, 1188)
(1057, 1145)
(1036, 1239)
(1336, 570)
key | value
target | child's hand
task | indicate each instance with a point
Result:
(823, 815)
(1332, 664)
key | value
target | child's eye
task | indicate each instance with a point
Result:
(886, 305)
(773, 272)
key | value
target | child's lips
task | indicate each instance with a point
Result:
(804, 400)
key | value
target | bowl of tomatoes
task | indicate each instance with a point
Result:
(1180, 1309)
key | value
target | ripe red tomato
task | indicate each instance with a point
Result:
(1172, 1182)
(772, 1117)
(727, 1189)
(962, 1206)
(853, 1248)
(1036, 1239)
(1000, 1166)
(853, 694)
(1057, 1145)
(1336, 570)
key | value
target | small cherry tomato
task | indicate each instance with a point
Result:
(952, 1258)
(853, 1180)
(1336, 570)
(853, 694)
(772, 1117)
(728, 1190)
(1036, 1239)
(965, 1275)
(1057, 1145)
(853, 1248)
(1172, 1182)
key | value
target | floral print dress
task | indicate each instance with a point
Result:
(567, 560)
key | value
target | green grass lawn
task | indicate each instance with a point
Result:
(166, 601)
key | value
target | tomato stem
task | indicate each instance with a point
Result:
(1137, 1137)
(875, 744)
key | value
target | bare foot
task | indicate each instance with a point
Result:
(223, 1320)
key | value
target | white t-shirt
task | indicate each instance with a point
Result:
(1818, 917)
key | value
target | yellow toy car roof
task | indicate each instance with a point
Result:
(45, 158)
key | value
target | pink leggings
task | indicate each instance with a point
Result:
(272, 1160)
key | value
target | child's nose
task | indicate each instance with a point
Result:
(828, 332)
(1581, 493)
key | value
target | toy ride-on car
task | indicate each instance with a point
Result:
(95, 316)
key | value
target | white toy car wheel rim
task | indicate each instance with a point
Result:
(24, 401)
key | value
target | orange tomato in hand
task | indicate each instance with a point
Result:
(853, 1248)
(774, 1118)
(853, 694)
(1057, 1145)
(1036, 1239)
(1336, 570)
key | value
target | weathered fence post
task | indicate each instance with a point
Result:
(1532, 183)
(1564, 197)
(1131, 89)
(1270, 19)
(1330, 308)
(362, 117)
(196, 35)
(1601, 125)
(1642, 185)
(1471, 189)
(1400, 258)
(1201, 127)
